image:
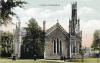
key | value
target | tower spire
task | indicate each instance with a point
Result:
(73, 22)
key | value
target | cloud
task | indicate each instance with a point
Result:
(45, 14)
(86, 10)
(33, 12)
(48, 13)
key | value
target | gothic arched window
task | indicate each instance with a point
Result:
(57, 45)
(54, 46)
(60, 47)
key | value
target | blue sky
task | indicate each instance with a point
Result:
(88, 13)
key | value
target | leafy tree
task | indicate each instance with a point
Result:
(6, 14)
(6, 9)
(33, 42)
(6, 44)
(96, 40)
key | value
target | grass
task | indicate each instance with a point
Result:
(5, 60)
(86, 60)
(92, 60)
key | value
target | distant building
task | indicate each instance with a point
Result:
(87, 49)
(60, 43)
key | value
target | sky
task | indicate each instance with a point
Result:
(88, 13)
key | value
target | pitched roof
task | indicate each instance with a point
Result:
(57, 25)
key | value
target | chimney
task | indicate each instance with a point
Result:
(44, 26)
(44, 32)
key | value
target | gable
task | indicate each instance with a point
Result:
(55, 27)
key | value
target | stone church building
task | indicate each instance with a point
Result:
(58, 42)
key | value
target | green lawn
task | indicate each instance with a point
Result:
(87, 60)
(25, 61)
(92, 60)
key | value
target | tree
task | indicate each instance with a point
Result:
(6, 9)
(96, 40)
(6, 44)
(33, 43)
(96, 43)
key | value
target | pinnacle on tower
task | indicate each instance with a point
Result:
(57, 21)
(74, 11)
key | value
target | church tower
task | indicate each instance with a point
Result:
(74, 31)
(73, 22)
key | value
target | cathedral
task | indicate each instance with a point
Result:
(59, 43)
